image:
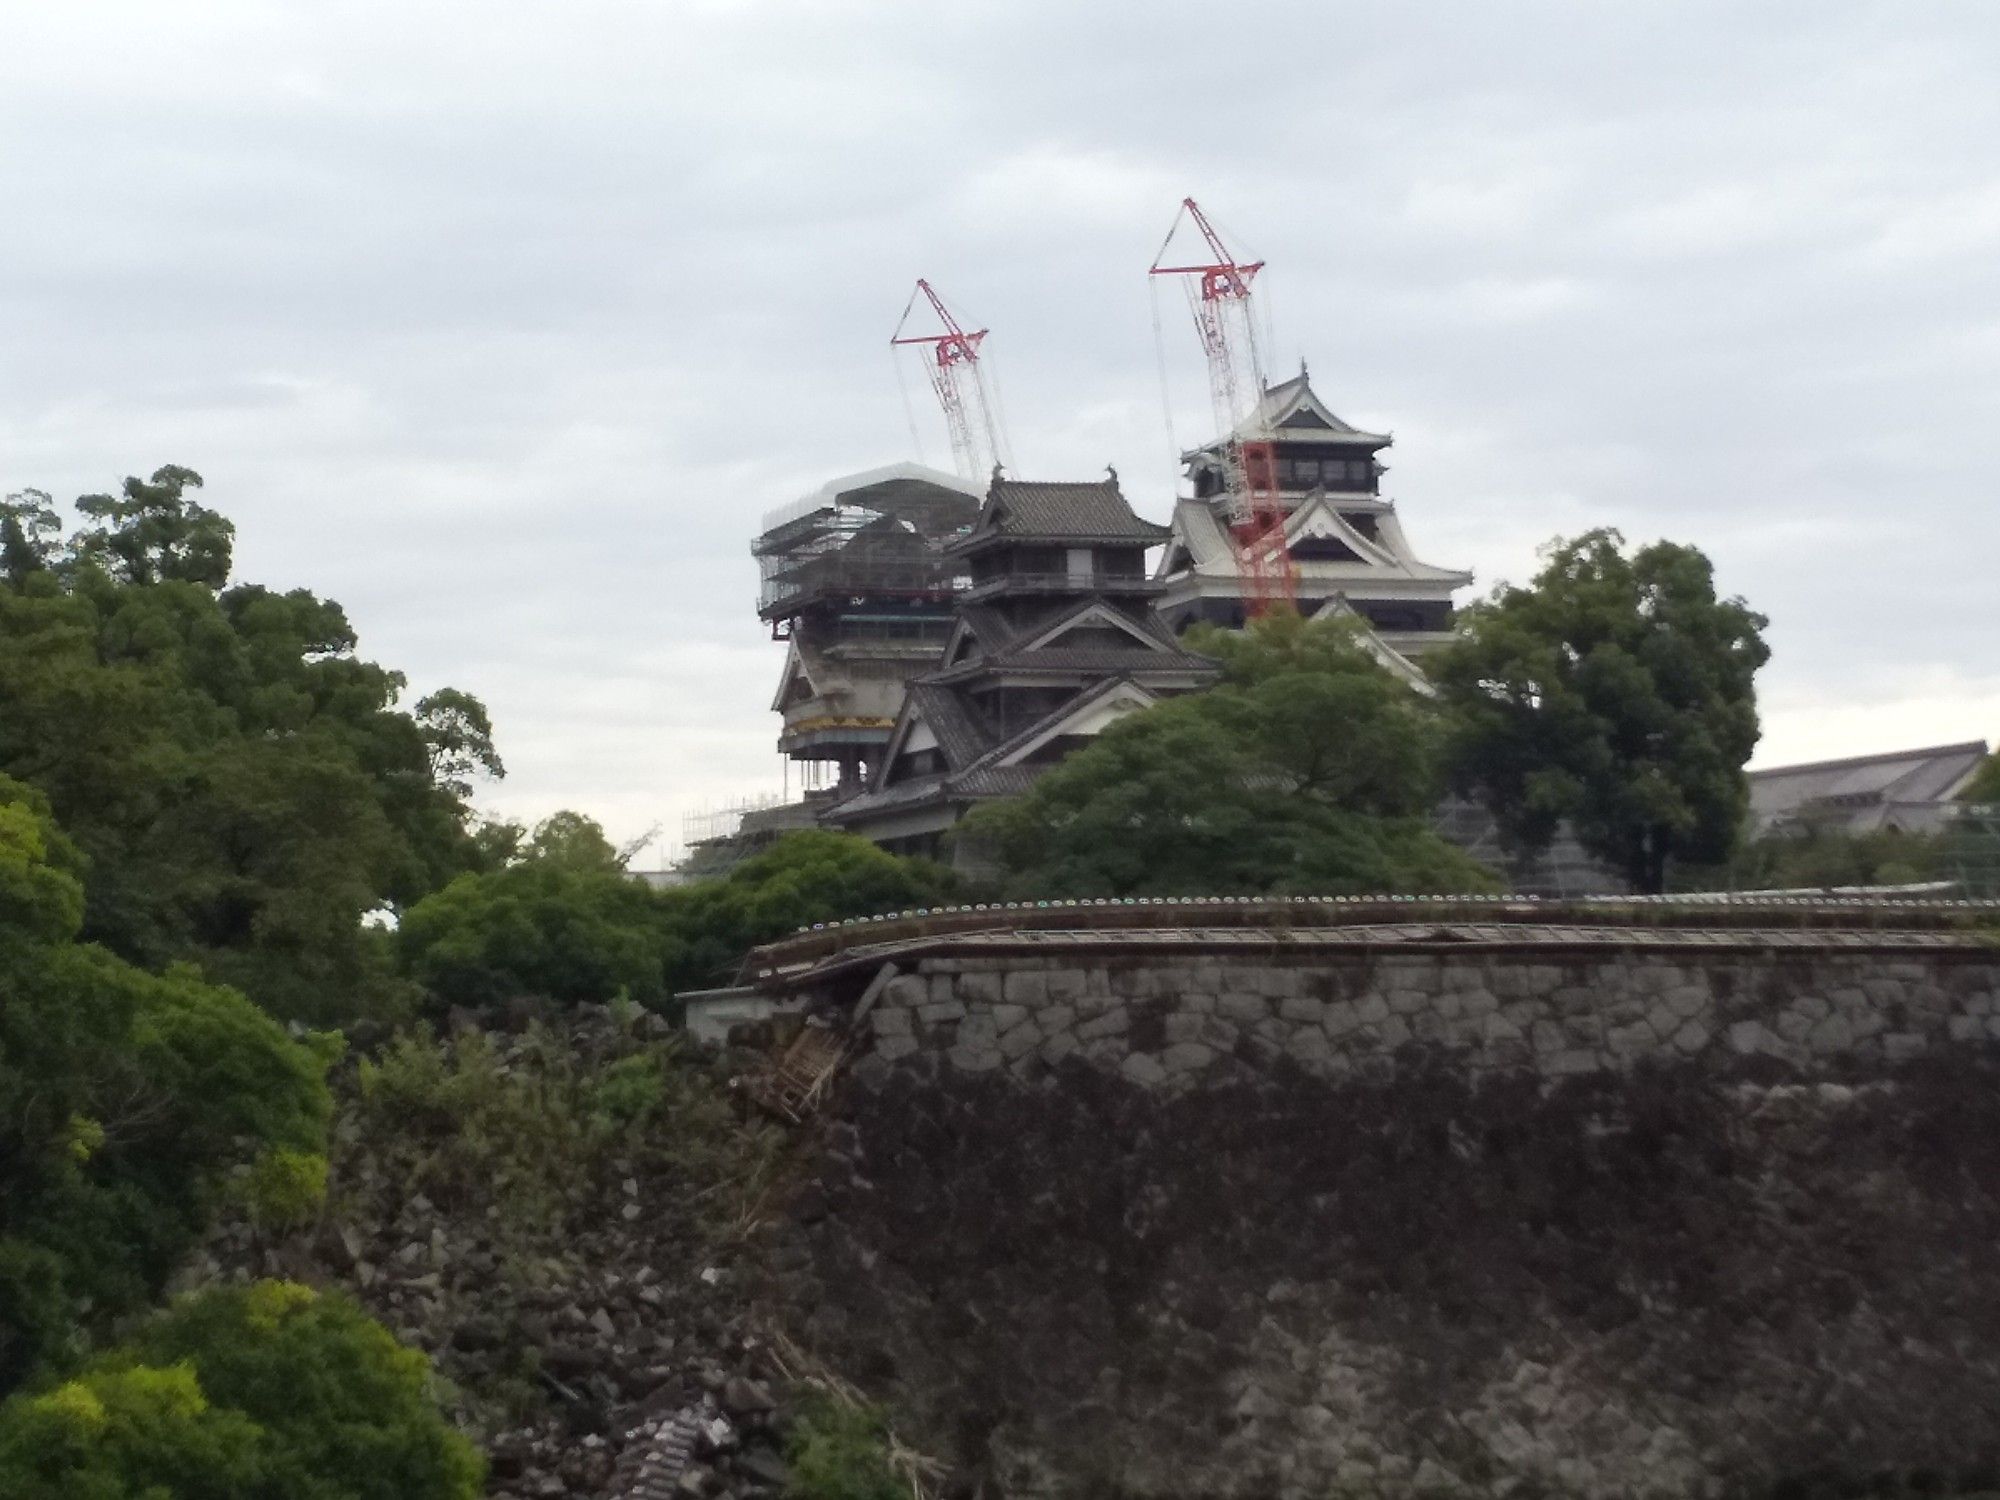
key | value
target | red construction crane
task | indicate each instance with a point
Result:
(1218, 291)
(968, 414)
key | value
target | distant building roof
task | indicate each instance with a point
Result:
(1903, 789)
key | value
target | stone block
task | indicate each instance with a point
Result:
(1751, 1037)
(1280, 983)
(979, 989)
(1393, 1032)
(1144, 1069)
(1686, 1000)
(1310, 1048)
(1832, 1036)
(1021, 1040)
(906, 990)
(1007, 1015)
(1220, 1034)
(1575, 1060)
(1057, 1047)
(977, 1030)
(1478, 1003)
(1026, 986)
(1301, 1008)
(1901, 1046)
(1371, 1009)
(1966, 1028)
(1107, 1053)
(1186, 1057)
(1183, 1027)
(1111, 1023)
(1135, 984)
(889, 1048)
(1632, 1040)
(1066, 984)
(974, 1059)
(944, 987)
(939, 1011)
(1340, 1018)
(890, 1022)
(1408, 1001)
(1242, 1007)
(1197, 1002)
(1055, 1019)
(1093, 1003)
(1692, 1037)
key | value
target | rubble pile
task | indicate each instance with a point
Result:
(611, 1353)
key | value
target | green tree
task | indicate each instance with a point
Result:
(245, 786)
(574, 842)
(1617, 694)
(538, 928)
(1308, 768)
(806, 877)
(266, 1392)
(126, 1102)
(29, 529)
(150, 532)
(1984, 787)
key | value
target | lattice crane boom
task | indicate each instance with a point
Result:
(1220, 298)
(953, 367)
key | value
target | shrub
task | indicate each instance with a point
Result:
(839, 1452)
(266, 1392)
(542, 928)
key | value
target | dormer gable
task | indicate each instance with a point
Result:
(1317, 532)
(1096, 624)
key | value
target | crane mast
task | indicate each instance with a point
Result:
(952, 365)
(1219, 296)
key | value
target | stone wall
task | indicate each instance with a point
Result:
(1174, 1025)
(1683, 1220)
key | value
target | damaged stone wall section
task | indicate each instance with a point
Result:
(1170, 1025)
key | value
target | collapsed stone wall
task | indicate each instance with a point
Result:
(1517, 1222)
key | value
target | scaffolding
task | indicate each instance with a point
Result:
(883, 540)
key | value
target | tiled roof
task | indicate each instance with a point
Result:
(996, 781)
(1062, 511)
(908, 794)
(958, 730)
(1094, 660)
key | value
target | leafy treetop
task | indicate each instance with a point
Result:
(243, 785)
(1615, 693)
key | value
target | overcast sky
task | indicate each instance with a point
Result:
(502, 324)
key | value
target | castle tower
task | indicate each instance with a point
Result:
(1346, 540)
(1056, 637)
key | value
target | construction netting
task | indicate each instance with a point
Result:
(884, 540)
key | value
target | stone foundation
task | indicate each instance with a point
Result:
(1354, 1223)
